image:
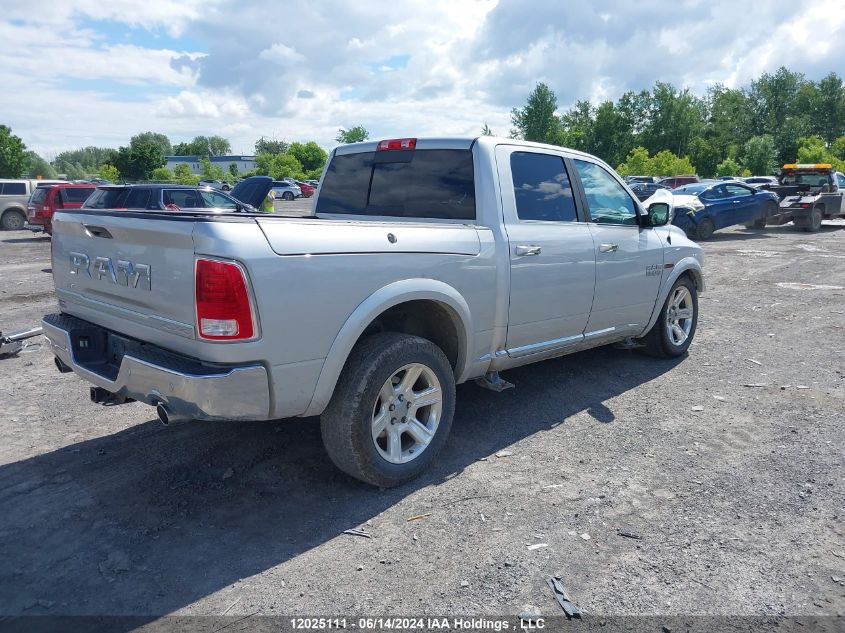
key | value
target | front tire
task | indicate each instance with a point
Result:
(287, 195)
(13, 220)
(705, 229)
(676, 324)
(391, 411)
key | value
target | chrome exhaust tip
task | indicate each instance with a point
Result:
(164, 415)
(63, 369)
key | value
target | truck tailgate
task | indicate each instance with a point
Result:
(126, 270)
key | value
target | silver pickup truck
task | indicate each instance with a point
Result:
(425, 263)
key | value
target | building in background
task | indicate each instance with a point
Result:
(243, 163)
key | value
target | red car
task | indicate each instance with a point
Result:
(47, 198)
(677, 181)
(307, 190)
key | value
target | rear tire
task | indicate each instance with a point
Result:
(672, 333)
(815, 223)
(364, 428)
(287, 195)
(705, 229)
(13, 220)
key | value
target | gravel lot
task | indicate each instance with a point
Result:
(736, 491)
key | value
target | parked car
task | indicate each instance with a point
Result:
(646, 179)
(216, 184)
(702, 208)
(428, 262)
(761, 182)
(313, 183)
(307, 189)
(731, 178)
(47, 198)
(286, 190)
(164, 197)
(677, 181)
(14, 198)
(644, 190)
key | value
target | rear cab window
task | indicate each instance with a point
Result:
(420, 183)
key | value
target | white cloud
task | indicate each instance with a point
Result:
(236, 72)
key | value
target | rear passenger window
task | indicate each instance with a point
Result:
(73, 194)
(541, 188)
(14, 189)
(138, 199)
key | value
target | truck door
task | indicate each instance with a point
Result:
(629, 258)
(552, 256)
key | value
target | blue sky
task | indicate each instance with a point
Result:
(80, 72)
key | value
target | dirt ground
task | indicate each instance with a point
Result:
(727, 464)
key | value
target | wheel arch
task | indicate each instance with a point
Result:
(687, 267)
(412, 306)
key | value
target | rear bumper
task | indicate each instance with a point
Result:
(189, 388)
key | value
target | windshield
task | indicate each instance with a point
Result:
(691, 190)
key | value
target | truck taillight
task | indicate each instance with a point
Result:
(224, 312)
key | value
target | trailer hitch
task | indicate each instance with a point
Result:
(13, 343)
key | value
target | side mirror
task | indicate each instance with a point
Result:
(658, 214)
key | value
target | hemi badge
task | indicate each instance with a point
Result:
(668, 265)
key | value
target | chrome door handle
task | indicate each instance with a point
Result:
(527, 250)
(608, 248)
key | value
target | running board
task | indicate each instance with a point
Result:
(494, 382)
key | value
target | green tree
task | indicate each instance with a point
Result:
(760, 155)
(663, 163)
(310, 155)
(211, 171)
(90, 158)
(576, 126)
(537, 121)
(264, 163)
(75, 171)
(203, 146)
(837, 148)
(355, 134)
(14, 159)
(704, 155)
(270, 146)
(486, 131)
(286, 166)
(109, 172)
(677, 116)
(637, 163)
(152, 138)
(728, 167)
(40, 168)
(183, 175)
(233, 171)
(162, 174)
(137, 163)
